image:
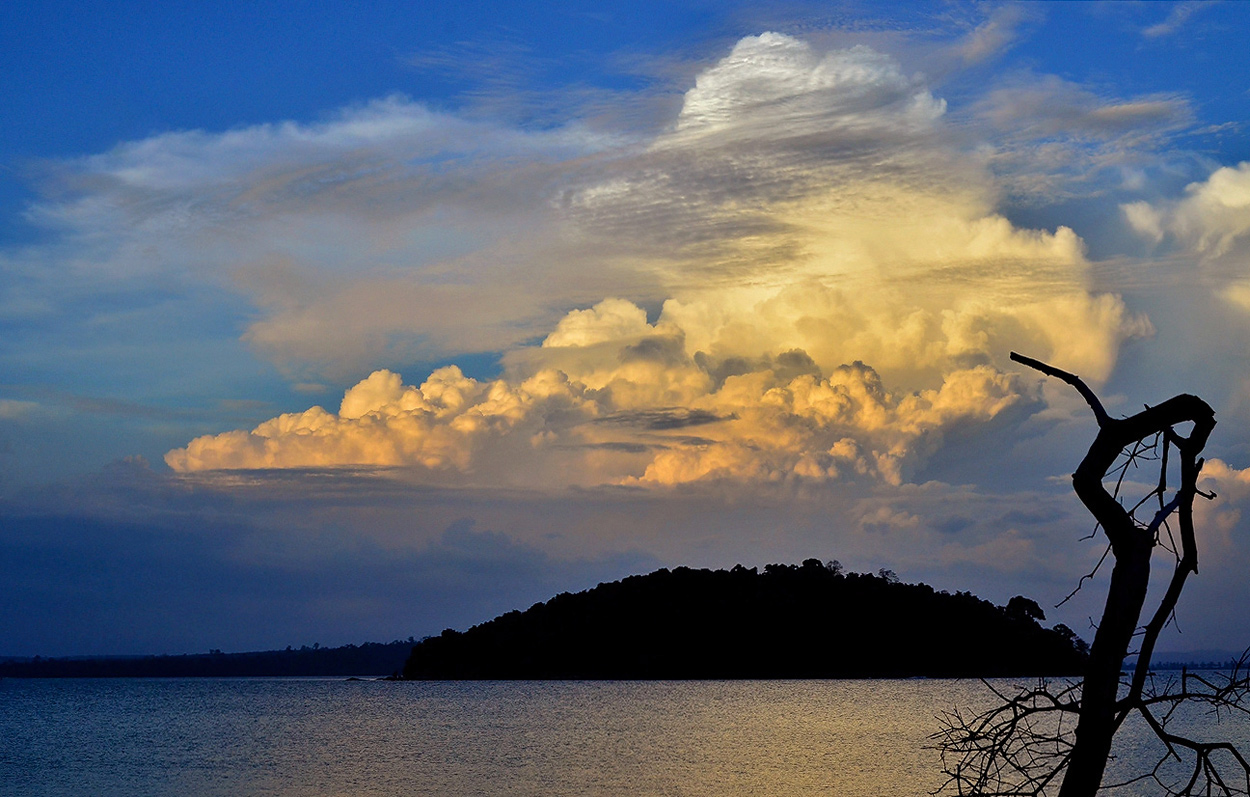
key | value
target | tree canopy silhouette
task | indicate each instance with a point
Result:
(1029, 742)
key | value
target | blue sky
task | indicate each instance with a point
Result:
(692, 283)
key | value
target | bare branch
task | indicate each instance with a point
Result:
(1085, 577)
(1072, 379)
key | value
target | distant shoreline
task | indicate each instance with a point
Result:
(259, 664)
(371, 659)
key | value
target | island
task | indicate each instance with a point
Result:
(812, 620)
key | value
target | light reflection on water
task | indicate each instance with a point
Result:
(333, 737)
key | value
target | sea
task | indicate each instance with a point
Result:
(321, 737)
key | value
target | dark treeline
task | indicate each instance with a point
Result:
(369, 659)
(808, 621)
(1226, 664)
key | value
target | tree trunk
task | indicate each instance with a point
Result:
(1097, 724)
(1131, 545)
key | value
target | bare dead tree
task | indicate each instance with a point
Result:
(1047, 737)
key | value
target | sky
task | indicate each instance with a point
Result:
(338, 324)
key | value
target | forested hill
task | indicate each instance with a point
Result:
(808, 621)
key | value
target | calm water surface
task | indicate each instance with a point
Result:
(332, 737)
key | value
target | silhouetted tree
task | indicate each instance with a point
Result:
(1021, 607)
(1029, 742)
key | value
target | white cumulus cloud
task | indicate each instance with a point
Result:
(1212, 218)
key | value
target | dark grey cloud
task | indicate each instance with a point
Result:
(662, 419)
(131, 562)
(628, 448)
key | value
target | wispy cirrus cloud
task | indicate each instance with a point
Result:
(386, 228)
(1054, 139)
(996, 34)
(1177, 17)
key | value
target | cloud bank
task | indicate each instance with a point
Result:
(643, 412)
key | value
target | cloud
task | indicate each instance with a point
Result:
(619, 388)
(834, 292)
(1012, 551)
(774, 76)
(1209, 226)
(1052, 138)
(611, 319)
(117, 562)
(993, 36)
(390, 233)
(184, 578)
(812, 201)
(885, 517)
(382, 423)
(773, 125)
(387, 230)
(12, 409)
(1176, 19)
(345, 555)
(1218, 522)
(758, 316)
(1212, 218)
